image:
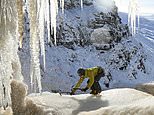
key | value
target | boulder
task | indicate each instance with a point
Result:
(101, 36)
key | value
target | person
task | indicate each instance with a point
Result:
(93, 74)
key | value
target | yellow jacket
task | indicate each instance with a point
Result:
(89, 73)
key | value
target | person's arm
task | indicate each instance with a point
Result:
(78, 84)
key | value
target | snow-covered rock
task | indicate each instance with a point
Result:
(146, 87)
(101, 36)
(21, 105)
(112, 102)
(77, 25)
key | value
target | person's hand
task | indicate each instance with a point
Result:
(84, 89)
(72, 93)
(106, 84)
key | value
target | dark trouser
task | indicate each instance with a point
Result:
(96, 86)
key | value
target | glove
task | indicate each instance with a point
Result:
(84, 89)
(72, 93)
(107, 85)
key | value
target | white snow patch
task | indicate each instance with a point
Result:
(104, 5)
(101, 36)
(111, 102)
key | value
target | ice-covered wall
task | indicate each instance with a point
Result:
(10, 67)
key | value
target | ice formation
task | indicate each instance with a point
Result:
(133, 15)
(34, 45)
(54, 11)
(9, 60)
(20, 21)
(81, 4)
(62, 5)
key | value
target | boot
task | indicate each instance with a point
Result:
(94, 92)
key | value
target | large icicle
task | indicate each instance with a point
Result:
(62, 5)
(51, 15)
(81, 4)
(41, 25)
(39, 13)
(133, 14)
(54, 11)
(47, 18)
(9, 60)
(34, 45)
(20, 21)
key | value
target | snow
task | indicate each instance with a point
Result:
(112, 102)
(8, 111)
(104, 5)
(101, 36)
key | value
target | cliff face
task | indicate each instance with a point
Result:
(80, 26)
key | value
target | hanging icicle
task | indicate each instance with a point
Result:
(41, 25)
(41, 11)
(20, 21)
(81, 2)
(8, 49)
(47, 18)
(51, 16)
(133, 14)
(62, 5)
(54, 12)
(5, 71)
(34, 45)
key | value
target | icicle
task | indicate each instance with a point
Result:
(41, 20)
(62, 5)
(81, 2)
(20, 21)
(54, 11)
(4, 80)
(34, 45)
(8, 49)
(47, 18)
(132, 15)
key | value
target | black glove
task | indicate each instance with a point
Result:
(107, 85)
(72, 93)
(84, 89)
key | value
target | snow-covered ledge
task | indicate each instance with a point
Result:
(146, 87)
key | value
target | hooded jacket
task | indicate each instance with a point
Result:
(90, 73)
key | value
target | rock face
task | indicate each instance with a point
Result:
(111, 26)
(69, 4)
(146, 87)
(81, 26)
